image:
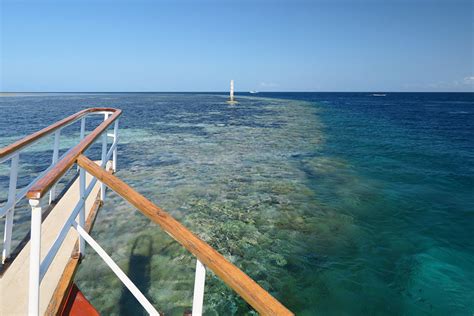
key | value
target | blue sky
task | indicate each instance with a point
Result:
(386, 45)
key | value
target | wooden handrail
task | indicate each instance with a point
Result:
(10, 149)
(43, 185)
(240, 282)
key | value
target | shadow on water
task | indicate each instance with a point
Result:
(139, 272)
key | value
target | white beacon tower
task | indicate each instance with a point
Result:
(231, 91)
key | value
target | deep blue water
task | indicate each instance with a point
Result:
(338, 203)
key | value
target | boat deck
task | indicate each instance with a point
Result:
(13, 284)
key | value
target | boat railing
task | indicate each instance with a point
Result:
(12, 153)
(206, 256)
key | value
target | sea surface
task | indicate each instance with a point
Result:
(336, 203)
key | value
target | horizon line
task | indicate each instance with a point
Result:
(246, 92)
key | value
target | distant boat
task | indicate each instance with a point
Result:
(253, 92)
(378, 94)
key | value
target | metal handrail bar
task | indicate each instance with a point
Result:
(13, 151)
(44, 184)
(71, 222)
(21, 194)
(116, 269)
(9, 155)
(53, 250)
(38, 267)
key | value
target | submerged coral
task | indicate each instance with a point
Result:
(235, 181)
(366, 214)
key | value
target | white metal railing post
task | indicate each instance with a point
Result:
(82, 212)
(83, 127)
(198, 296)
(11, 200)
(114, 155)
(83, 131)
(104, 155)
(35, 253)
(52, 193)
(118, 272)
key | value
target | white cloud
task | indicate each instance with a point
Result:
(469, 80)
(268, 84)
(454, 85)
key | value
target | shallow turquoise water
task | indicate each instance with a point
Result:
(338, 204)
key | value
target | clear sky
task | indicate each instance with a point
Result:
(385, 45)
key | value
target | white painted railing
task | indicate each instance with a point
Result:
(239, 281)
(199, 280)
(116, 269)
(15, 194)
(39, 268)
(79, 209)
